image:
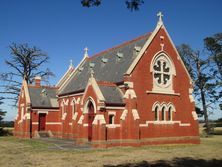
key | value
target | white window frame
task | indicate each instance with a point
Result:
(85, 109)
(156, 104)
(158, 87)
(161, 115)
(73, 107)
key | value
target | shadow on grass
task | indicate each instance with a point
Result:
(4, 132)
(177, 162)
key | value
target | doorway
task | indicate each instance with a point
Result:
(42, 121)
(91, 116)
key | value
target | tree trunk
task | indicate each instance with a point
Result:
(205, 112)
(202, 93)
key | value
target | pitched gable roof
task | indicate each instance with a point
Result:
(109, 65)
(43, 97)
(65, 76)
(148, 42)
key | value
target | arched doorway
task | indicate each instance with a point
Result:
(91, 116)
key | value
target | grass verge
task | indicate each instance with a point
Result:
(26, 152)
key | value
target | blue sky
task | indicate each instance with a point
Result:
(62, 28)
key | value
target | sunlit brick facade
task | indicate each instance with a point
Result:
(134, 94)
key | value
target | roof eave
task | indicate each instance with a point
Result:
(116, 104)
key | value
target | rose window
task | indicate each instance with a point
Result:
(162, 73)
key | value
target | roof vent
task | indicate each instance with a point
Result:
(80, 69)
(119, 55)
(136, 51)
(137, 48)
(91, 65)
(104, 60)
(43, 93)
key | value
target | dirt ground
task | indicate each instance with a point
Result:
(25, 153)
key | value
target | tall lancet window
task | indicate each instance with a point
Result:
(73, 108)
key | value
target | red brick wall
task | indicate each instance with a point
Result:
(52, 121)
(142, 79)
(129, 131)
(22, 127)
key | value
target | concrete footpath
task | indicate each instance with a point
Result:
(63, 144)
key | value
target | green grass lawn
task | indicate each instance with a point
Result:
(25, 152)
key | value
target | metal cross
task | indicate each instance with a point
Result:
(160, 15)
(86, 52)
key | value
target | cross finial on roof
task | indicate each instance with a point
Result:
(70, 63)
(160, 15)
(86, 52)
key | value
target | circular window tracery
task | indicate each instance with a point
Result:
(162, 71)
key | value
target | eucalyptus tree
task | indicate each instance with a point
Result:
(213, 46)
(203, 81)
(24, 62)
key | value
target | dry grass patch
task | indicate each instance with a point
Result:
(21, 152)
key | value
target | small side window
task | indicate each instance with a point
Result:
(111, 119)
(170, 114)
(163, 113)
(73, 108)
(156, 113)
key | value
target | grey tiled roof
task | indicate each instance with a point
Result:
(112, 94)
(107, 66)
(43, 97)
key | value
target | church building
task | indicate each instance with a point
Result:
(136, 93)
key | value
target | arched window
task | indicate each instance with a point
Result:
(170, 114)
(64, 110)
(90, 103)
(156, 113)
(163, 70)
(163, 111)
(155, 108)
(171, 111)
(90, 110)
(163, 114)
(73, 108)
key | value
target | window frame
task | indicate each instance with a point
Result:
(170, 117)
(163, 113)
(156, 113)
(158, 87)
(112, 120)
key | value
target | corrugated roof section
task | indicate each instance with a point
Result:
(43, 97)
(117, 62)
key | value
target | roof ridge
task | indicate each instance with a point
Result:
(120, 45)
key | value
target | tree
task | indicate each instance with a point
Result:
(213, 46)
(24, 63)
(203, 80)
(130, 4)
(2, 114)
